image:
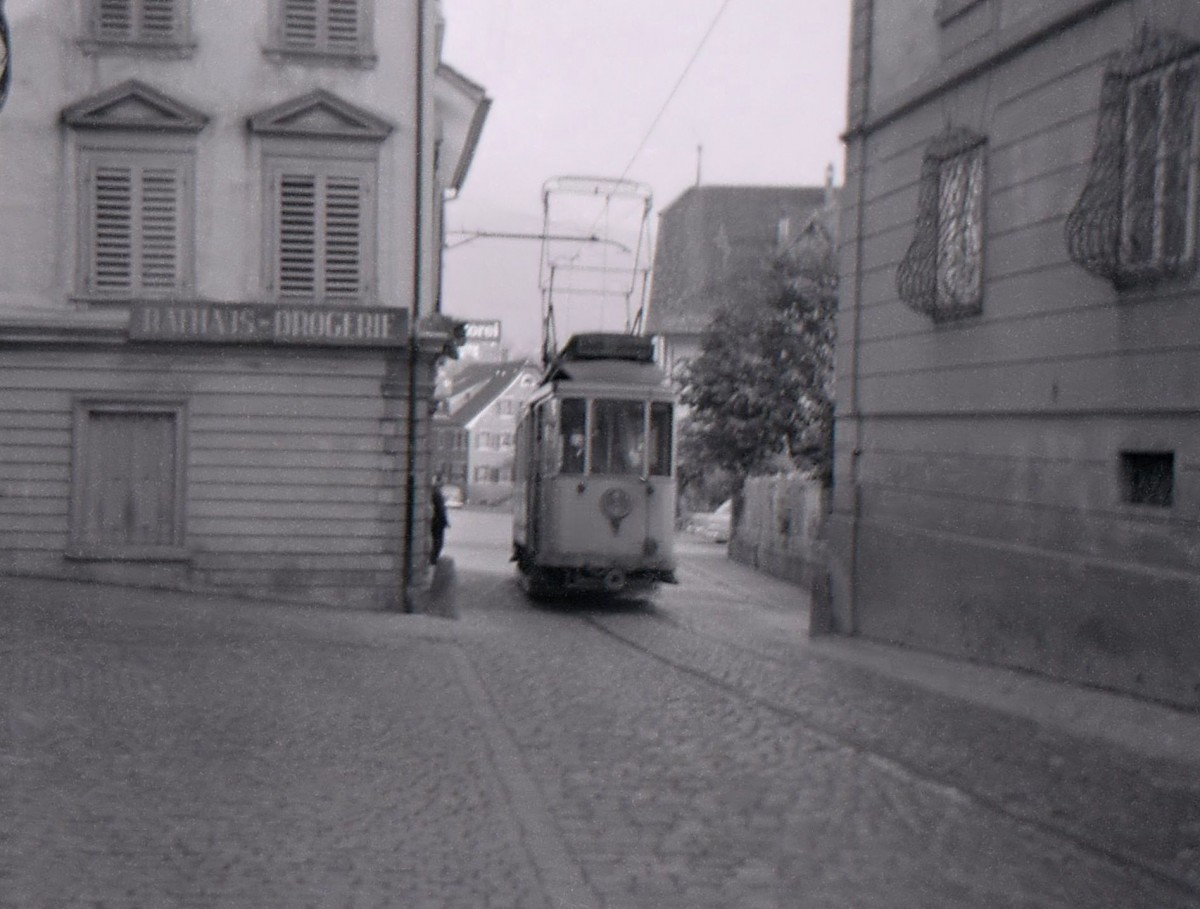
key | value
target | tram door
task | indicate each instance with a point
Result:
(533, 465)
(541, 466)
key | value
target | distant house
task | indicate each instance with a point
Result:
(475, 425)
(715, 249)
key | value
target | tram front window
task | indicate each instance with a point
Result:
(618, 437)
(660, 439)
(573, 424)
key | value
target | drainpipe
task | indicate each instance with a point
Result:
(408, 569)
(862, 137)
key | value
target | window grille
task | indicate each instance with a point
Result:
(941, 275)
(1135, 218)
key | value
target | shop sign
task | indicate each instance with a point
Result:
(258, 323)
(480, 330)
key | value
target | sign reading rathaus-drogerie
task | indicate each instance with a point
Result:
(259, 323)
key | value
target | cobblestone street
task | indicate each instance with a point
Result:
(167, 750)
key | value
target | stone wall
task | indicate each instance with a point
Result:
(779, 529)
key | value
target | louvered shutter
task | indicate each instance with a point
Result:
(114, 19)
(137, 20)
(136, 230)
(297, 256)
(322, 25)
(112, 230)
(158, 20)
(342, 26)
(320, 236)
(159, 247)
(343, 237)
(300, 24)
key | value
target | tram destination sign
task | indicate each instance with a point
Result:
(262, 323)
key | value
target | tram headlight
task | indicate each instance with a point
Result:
(615, 504)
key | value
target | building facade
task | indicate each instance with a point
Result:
(219, 236)
(715, 248)
(1017, 441)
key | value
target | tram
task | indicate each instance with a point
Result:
(594, 498)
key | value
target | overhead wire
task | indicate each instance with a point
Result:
(712, 26)
(708, 32)
(604, 214)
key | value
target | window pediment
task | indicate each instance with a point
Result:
(319, 115)
(136, 106)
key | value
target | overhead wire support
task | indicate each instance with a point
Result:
(469, 236)
(566, 269)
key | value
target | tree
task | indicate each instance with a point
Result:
(761, 389)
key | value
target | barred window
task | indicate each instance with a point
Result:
(941, 275)
(960, 231)
(1158, 199)
(1135, 218)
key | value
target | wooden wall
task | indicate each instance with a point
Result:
(295, 466)
(978, 499)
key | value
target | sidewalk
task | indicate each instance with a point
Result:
(1141, 726)
(160, 748)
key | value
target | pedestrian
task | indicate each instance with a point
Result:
(438, 522)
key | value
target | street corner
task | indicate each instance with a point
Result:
(438, 598)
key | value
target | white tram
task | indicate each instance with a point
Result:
(594, 502)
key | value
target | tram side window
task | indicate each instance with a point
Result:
(661, 429)
(573, 421)
(618, 437)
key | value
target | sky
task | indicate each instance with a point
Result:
(578, 89)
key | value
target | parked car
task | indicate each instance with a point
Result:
(715, 525)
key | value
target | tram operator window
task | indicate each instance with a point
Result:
(573, 422)
(618, 437)
(661, 428)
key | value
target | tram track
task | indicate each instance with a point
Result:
(836, 737)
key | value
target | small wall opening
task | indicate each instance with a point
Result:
(1148, 478)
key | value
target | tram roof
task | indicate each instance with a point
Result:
(608, 372)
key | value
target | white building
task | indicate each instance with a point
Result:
(219, 258)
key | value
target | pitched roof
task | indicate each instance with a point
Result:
(715, 246)
(502, 376)
(471, 374)
(732, 196)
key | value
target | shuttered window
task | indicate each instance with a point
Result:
(324, 26)
(135, 227)
(139, 21)
(127, 479)
(324, 230)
